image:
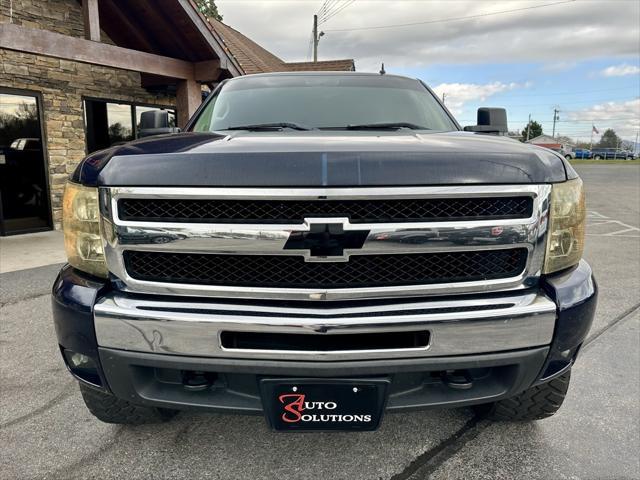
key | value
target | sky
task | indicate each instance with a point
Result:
(581, 57)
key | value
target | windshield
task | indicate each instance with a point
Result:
(324, 102)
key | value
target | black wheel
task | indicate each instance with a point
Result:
(110, 409)
(536, 403)
(597, 157)
(568, 157)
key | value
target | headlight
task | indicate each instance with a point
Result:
(567, 215)
(81, 225)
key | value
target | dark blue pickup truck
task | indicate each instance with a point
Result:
(321, 248)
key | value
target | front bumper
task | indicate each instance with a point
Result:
(143, 345)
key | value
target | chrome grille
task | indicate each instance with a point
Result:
(295, 211)
(413, 241)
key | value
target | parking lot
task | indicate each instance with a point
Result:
(45, 431)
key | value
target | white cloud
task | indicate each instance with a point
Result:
(568, 32)
(458, 94)
(620, 70)
(623, 117)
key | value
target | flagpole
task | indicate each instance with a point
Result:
(592, 127)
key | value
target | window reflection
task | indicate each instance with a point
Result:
(140, 110)
(24, 201)
(112, 123)
(120, 127)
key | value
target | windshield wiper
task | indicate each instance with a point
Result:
(386, 126)
(270, 126)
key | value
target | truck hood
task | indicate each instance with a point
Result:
(322, 159)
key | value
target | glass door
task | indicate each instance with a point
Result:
(24, 193)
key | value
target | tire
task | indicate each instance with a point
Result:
(597, 157)
(536, 403)
(568, 157)
(109, 409)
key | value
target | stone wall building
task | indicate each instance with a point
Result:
(75, 76)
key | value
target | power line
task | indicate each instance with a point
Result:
(452, 19)
(326, 6)
(331, 6)
(337, 11)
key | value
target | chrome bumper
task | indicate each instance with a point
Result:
(459, 327)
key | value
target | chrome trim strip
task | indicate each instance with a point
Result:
(193, 328)
(320, 193)
(269, 239)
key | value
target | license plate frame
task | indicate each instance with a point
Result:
(336, 406)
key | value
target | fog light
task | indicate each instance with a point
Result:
(79, 360)
(82, 367)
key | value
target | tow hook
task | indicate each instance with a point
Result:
(195, 381)
(457, 379)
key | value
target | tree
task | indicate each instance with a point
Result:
(118, 133)
(208, 9)
(19, 123)
(535, 129)
(609, 139)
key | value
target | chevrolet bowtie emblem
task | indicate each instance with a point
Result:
(326, 241)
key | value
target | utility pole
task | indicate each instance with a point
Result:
(444, 95)
(555, 117)
(528, 127)
(316, 38)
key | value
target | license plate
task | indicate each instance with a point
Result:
(314, 404)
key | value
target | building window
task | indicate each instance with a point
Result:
(24, 192)
(110, 123)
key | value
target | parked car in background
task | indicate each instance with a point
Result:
(582, 153)
(567, 153)
(611, 154)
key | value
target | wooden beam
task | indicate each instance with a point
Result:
(227, 61)
(149, 81)
(188, 99)
(208, 71)
(51, 44)
(91, 20)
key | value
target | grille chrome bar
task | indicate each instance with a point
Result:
(270, 239)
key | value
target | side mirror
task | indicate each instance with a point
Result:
(490, 120)
(155, 122)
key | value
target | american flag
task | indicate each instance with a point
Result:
(595, 130)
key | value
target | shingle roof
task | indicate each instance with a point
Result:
(255, 59)
(323, 65)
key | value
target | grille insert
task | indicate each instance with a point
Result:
(294, 211)
(324, 343)
(294, 272)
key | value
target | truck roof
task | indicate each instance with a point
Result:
(322, 74)
(353, 78)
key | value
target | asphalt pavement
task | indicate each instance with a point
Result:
(45, 431)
